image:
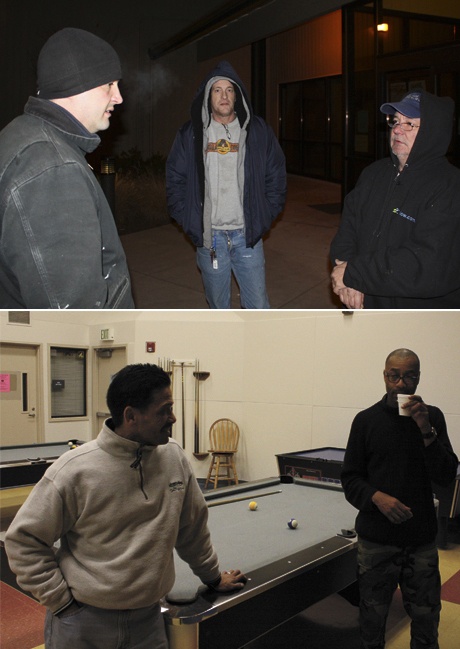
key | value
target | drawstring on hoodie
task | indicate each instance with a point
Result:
(137, 464)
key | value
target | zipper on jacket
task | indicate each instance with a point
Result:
(137, 464)
(393, 182)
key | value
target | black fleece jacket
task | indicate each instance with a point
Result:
(385, 452)
(400, 232)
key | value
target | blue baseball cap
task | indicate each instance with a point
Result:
(409, 106)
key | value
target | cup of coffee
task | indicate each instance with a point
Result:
(403, 398)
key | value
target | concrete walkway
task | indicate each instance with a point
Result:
(165, 276)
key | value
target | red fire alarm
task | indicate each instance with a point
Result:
(150, 347)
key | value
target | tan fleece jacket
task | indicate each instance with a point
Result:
(117, 526)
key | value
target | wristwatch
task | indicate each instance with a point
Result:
(431, 434)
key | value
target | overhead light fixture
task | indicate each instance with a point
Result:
(382, 27)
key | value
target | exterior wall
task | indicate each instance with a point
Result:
(446, 8)
(309, 51)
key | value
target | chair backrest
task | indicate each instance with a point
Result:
(224, 435)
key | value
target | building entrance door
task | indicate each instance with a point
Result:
(311, 127)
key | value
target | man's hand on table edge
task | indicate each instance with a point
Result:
(230, 580)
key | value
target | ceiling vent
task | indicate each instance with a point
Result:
(19, 317)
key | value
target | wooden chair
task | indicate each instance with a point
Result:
(224, 435)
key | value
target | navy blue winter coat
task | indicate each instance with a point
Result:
(264, 168)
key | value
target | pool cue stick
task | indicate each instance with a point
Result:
(171, 373)
(197, 408)
(235, 500)
(183, 406)
(170, 370)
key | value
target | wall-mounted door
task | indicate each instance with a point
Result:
(20, 413)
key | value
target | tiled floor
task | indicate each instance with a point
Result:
(164, 273)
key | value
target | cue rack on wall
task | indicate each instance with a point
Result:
(175, 367)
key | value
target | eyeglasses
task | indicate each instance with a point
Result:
(406, 126)
(407, 378)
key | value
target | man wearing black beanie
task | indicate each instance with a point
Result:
(59, 245)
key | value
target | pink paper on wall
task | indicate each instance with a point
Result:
(5, 383)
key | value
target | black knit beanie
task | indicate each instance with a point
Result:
(73, 61)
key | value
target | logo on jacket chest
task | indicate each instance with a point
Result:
(223, 147)
(176, 486)
(405, 216)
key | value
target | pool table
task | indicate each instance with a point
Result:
(288, 569)
(25, 465)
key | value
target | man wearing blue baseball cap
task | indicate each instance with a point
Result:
(398, 241)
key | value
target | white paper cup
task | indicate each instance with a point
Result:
(403, 398)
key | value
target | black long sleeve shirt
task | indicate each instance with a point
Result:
(386, 452)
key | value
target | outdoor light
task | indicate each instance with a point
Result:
(382, 27)
(107, 180)
(107, 165)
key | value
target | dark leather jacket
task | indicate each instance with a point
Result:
(59, 246)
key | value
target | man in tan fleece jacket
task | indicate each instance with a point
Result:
(118, 506)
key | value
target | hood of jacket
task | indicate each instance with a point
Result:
(435, 132)
(201, 107)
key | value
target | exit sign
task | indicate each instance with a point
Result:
(107, 334)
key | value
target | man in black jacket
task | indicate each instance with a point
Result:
(390, 463)
(398, 241)
(59, 245)
(226, 183)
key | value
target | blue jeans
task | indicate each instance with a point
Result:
(98, 628)
(247, 264)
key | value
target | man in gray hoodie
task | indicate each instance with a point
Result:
(226, 183)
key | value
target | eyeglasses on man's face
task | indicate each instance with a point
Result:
(411, 377)
(406, 126)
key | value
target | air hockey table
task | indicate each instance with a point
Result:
(325, 465)
(287, 569)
